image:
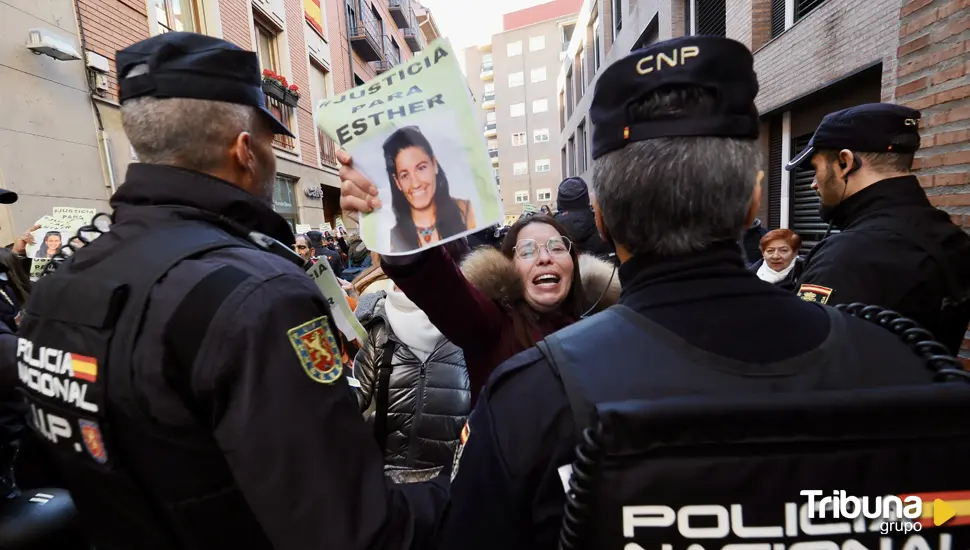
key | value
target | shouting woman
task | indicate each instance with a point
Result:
(422, 203)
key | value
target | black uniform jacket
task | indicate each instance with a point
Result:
(298, 448)
(884, 256)
(507, 492)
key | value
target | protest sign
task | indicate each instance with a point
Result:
(414, 134)
(70, 213)
(528, 208)
(302, 228)
(344, 318)
(325, 227)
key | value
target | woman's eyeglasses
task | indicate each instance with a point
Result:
(528, 249)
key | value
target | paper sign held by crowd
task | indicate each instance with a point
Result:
(413, 132)
(55, 231)
(343, 316)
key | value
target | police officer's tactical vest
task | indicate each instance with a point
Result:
(721, 472)
(136, 484)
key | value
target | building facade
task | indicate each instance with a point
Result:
(67, 111)
(812, 57)
(513, 79)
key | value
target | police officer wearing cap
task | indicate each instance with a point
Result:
(675, 180)
(895, 249)
(182, 367)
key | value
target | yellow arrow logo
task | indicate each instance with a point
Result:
(942, 512)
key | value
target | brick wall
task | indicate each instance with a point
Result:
(112, 25)
(235, 16)
(749, 22)
(830, 42)
(343, 78)
(933, 76)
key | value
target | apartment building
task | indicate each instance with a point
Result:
(513, 79)
(812, 57)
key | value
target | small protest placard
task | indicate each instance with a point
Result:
(345, 319)
(413, 132)
(528, 208)
(326, 227)
(302, 228)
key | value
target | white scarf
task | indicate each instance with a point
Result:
(769, 275)
(410, 324)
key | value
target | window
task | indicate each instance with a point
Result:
(266, 48)
(358, 81)
(538, 75)
(542, 166)
(490, 117)
(487, 62)
(581, 61)
(177, 15)
(597, 47)
(516, 79)
(541, 135)
(543, 195)
(284, 199)
(520, 169)
(489, 87)
(521, 197)
(517, 109)
(493, 145)
(540, 106)
(581, 147)
(537, 43)
(567, 35)
(513, 49)
(617, 17)
(518, 139)
(320, 89)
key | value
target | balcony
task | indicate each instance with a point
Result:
(401, 13)
(283, 113)
(488, 72)
(414, 37)
(328, 151)
(491, 130)
(488, 101)
(365, 37)
(493, 154)
(391, 57)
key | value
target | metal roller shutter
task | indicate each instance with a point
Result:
(777, 17)
(804, 7)
(774, 173)
(805, 220)
(711, 17)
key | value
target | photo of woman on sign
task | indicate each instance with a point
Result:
(50, 245)
(424, 210)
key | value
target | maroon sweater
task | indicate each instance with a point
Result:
(464, 314)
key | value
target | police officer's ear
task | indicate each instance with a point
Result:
(755, 199)
(849, 162)
(243, 151)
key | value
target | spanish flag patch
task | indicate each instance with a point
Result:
(815, 293)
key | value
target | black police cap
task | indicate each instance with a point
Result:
(195, 66)
(869, 128)
(722, 66)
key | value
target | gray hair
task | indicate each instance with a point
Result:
(189, 133)
(676, 195)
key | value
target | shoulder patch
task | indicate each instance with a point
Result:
(317, 349)
(815, 293)
(91, 436)
(466, 432)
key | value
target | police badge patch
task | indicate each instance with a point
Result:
(465, 433)
(318, 350)
(91, 437)
(815, 293)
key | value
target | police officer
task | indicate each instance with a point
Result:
(12, 418)
(183, 367)
(894, 249)
(676, 180)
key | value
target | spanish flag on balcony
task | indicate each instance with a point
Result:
(943, 509)
(314, 15)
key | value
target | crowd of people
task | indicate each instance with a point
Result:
(217, 403)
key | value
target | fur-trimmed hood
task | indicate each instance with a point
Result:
(494, 274)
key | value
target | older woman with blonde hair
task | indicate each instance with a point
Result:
(779, 264)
